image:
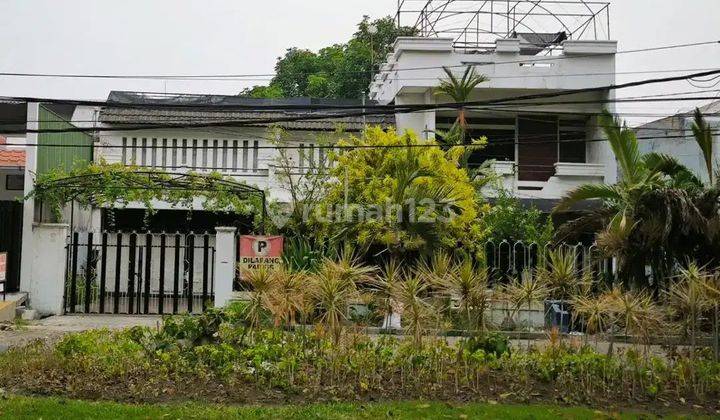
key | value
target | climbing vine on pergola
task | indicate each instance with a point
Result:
(116, 185)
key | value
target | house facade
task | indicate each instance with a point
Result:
(247, 153)
(542, 147)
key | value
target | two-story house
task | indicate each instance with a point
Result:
(543, 147)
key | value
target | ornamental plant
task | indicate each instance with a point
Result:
(406, 197)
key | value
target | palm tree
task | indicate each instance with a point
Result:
(631, 226)
(459, 90)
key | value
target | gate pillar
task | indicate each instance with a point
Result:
(225, 265)
(47, 282)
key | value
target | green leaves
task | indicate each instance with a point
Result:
(703, 137)
(337, 71)
(111, 185)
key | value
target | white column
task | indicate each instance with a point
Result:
(47, 275)
(26, 263)
(224, 265)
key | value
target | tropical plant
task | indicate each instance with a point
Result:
(417, 311)
(403, 201)
(562, 275)
(596, 312)
(508, 220)
(637, 313)
(459, 90)
(630, 225)
(526, 290)
(688, 299)
(392, 274)
(287, 296)
(335, 286)
(467, 286)
(260, 284)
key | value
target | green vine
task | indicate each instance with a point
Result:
(113, 185)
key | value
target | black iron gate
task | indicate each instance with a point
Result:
(11, 213)
(139, 273)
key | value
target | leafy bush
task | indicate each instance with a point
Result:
(142, 364)
(491, 343)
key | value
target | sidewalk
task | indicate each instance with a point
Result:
(53, 328)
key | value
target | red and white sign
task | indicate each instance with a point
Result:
(3, 266)
(258, 251)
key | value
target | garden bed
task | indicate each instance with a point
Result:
(216, 358)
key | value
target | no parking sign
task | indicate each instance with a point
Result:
(260, 251)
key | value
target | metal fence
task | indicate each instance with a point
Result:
(508, 259)
(139, 273)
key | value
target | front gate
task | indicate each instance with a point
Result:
(139, 273)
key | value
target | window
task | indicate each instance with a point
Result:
(153, 151)
(204, 154)
(123, 152)
(194, 153)
(572, 145)
(134, 151)
(215, 155)
(256, 148)
(183, 155)
(235, 155)
(301, 156)
(174, 153)
(143, 160)
(15, 182)
(164, 153)
(245, 155)
(225, 155)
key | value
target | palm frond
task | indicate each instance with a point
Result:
(588, 192)
(670, 166)
(624, 145)
(703, 137)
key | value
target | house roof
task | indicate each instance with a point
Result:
(189, 114)
(10, 158)
(711, 108)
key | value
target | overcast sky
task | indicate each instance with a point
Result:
(239, 36)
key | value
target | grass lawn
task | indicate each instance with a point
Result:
(16, 407)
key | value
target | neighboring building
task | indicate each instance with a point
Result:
(243, 153)
(679, 141)
(540, 150)
(12, 179)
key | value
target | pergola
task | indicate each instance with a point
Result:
(163, 183)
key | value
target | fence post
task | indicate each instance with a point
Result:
(224, 265)
(47, 280)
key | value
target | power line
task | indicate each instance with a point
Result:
(238, 76)
(175, 116)
(491, 142)
(316, 117)
(371, 108)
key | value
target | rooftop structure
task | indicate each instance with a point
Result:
(475, 26)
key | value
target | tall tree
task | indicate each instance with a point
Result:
(337, 71)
